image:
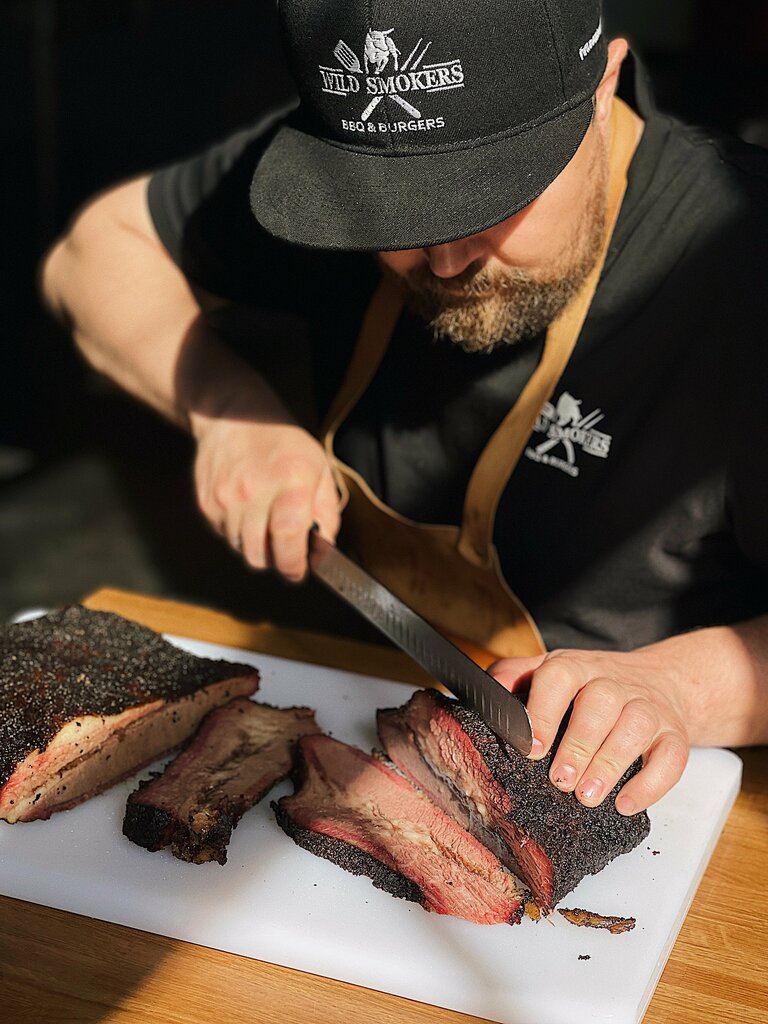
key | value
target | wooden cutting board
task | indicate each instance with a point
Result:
(277, 903)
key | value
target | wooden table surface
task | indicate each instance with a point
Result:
(57, 967)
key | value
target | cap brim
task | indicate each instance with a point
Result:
(314, 193)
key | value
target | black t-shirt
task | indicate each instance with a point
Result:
(638, 509)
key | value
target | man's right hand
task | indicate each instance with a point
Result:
(262, 486)
(261, 480)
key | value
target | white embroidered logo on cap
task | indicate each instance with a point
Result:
(564, 425)
(588, 47)
(382, 74)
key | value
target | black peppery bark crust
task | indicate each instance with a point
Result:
(579, 840)
(576, 840)
(78, 662)
(155, 828)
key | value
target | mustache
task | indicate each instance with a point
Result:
(475, 281)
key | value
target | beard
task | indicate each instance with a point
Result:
(484, 307)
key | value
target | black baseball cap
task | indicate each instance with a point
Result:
(424, 121)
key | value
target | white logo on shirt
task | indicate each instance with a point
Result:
(382, 74)
(566, 430)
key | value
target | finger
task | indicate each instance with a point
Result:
(214, 513)
(326, 507)
(233, 524)
(596, 710)
(290, 520)
(254, 535)
(515, 673)
(633, 734)
(553, 686)
(664, 765)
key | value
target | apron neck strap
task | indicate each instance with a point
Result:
(376, 330)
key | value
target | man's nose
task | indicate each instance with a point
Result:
(450, 259)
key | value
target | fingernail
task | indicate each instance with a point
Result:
(625, 805)
(564, 776)
(592, 789)
(537, 749)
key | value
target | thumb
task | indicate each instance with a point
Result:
(515, 673)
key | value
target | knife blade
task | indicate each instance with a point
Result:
(475, 688)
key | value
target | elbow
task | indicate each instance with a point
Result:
(52, 274)
(72, 265)
(68, 283)
(64, 270)
(70, 275)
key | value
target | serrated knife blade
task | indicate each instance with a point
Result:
(503, 712)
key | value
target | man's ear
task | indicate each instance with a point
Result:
(617, 52)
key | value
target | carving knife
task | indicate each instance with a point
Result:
(503, 712)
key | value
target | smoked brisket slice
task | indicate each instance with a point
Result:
(237, 755)
(356, 811)
(506, 800)
(88, 698)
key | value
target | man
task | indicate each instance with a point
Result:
(570, 404)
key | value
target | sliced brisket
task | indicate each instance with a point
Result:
(358, 812)
(506, 800)
(88, 698)
(237, 755)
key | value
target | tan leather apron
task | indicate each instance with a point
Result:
(449, 574)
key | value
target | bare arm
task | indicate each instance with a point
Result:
(261, 479)
(707, 688)
(134, 315)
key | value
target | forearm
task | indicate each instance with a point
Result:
(136, 319)
(721, 674)
(261, 480)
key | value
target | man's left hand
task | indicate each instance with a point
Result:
(625, 705)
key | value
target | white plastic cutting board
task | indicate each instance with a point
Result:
(275, 902)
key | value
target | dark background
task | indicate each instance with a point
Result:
(94, 489)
